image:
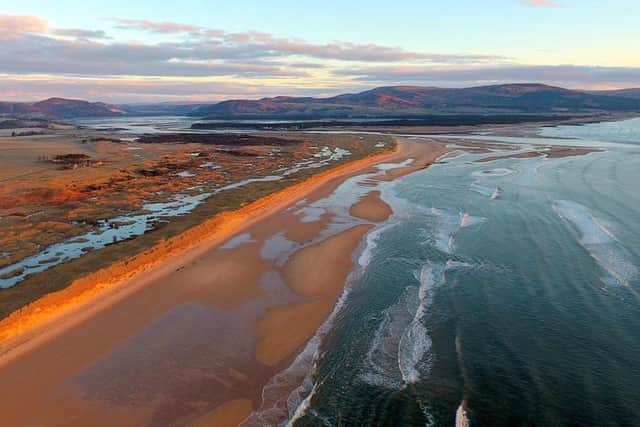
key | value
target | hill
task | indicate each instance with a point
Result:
(416, 100)
(633, 93)
(59, 108)
(382, 102)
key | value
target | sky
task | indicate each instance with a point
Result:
(194, 51)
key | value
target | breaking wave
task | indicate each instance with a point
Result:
(461, 416)
(454, 265)
(382, 357)
(599, 241)
(489, 191)
(400, 350)
(288, 394)
(448, 224)
(413, 357)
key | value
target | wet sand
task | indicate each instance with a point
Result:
(554, 152)
(419, 159)
(371, 208)
(318, 271)
(191, 332)
(229, 414)
(560, 152)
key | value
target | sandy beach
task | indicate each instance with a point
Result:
(190, 331)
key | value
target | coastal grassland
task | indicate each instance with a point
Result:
(64, 184)
(59, 277)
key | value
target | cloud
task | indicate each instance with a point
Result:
(198, 63)
(135, 90)
(574, 76)
(43, 54)
(79, 33)
(257, 43)
(154, 26)
(202, 52)
(120, 89)
(22, 24)
(345, 51)
(540, 3)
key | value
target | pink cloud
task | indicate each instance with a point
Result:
(343, 51)
(156, 27)
(261, 44)
(120, 90)
(204, 52)
(22, 24)
(540, 3)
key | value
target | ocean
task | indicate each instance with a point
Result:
(498, 294)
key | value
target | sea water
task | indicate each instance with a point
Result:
(499, 294)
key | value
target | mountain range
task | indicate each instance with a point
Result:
(416, 100)
(60, 108)
(384, 102)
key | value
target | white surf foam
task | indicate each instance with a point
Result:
(467, 220)
(382, 357)
(490, 191)
(496, 193)
(462, 420)
(371, 244)
(480, 188)
(399, 353)
(453, 265)
(599, 241)
(447, 226)
(415, 344)
(302, 407)
(288, 394)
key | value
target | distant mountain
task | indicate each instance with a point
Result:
(633, 93)
(60, 108)
(382, 102)
(418, 100)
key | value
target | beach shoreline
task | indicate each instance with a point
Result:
(212, 232)
(55, 322)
